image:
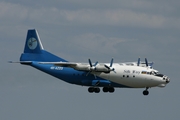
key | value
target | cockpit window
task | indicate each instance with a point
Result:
(152, 73)
(159, 75)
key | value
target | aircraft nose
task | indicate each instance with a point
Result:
(167, 80)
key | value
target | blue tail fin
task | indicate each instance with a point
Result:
(34, 51)
(33, 43)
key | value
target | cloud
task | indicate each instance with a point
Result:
(117, 17)
(96, 42)
(86, 17)
(12, 12)
(89, 45)
(15, 15)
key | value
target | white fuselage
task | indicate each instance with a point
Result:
(134, 76)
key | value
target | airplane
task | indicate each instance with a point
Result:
(107, 76)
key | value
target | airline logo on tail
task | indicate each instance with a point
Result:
(32, 43)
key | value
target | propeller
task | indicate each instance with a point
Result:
(110, 67)
(151, 64)
(146, 62)
(138, 62)
(92, 67)
(90, 63)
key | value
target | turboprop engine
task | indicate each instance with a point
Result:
(95, 68)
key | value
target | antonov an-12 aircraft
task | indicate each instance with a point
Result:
(95, 75)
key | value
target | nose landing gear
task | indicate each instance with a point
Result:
(146, 92)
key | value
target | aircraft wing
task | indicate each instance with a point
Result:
(62, 64)
(81, 66)
(76, 66)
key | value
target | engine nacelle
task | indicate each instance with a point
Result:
(98, 68)
(102, 69)
(82, 67)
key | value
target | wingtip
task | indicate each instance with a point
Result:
(10, 61)
(13, 62)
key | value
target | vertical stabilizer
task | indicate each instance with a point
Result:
(33, 43)
(34, 51)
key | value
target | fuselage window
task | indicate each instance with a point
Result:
(143, 72)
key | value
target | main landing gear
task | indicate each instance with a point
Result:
(108, 89)
(146, 92)
(111, 90)
(94, 89)
(97, 89)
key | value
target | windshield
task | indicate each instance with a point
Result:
(159, 75)
(153, 73)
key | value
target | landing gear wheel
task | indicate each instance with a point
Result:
(105, 89)
(93, 89)
(108, 89)
(90, 89)
(96, 90)
(111, 89)
(145, 92)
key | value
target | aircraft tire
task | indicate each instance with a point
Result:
(111, 89)
(90, 89)
(105, 89)
(108, 89)
(97, 90)
(145, 92)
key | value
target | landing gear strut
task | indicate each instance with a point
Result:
(146, 92)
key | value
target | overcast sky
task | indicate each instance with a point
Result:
(80, 29)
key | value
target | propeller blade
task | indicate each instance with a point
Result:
(107, 66)
(110, 67)
(138, 62)
(151, 64)
(88, 73)
(96, 63)
(95, 76)
(146, 62)
(111, 62)
(90, 63)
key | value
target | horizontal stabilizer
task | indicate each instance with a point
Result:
(22, 62)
